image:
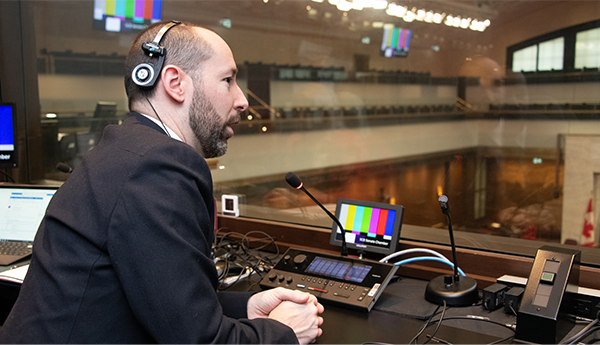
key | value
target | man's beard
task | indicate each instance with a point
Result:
(207, 126)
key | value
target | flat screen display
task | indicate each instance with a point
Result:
(337, 269)
(396, 42)
(126, 15)
(8, 136)
(368, 226)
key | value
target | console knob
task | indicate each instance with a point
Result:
(287, 258)
(272, 277)
(299, 259)
(289, 279)
(281, 277)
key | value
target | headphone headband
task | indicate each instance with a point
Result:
(145, 74)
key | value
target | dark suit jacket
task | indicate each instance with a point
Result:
(122, 255)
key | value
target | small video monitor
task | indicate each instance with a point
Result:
(368, 226)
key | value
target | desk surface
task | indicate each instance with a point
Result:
(396, 318)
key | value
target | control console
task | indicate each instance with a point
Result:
(348, 282)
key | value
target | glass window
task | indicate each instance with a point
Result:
(587, 49)
(525, 60)
(551, 55)
(424, 106)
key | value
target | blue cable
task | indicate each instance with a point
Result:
(430, 258)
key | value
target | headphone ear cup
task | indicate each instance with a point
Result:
(145, 74)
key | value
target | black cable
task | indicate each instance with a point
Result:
(416, 337)
(438, 324)
(586, 331)
(151, 106)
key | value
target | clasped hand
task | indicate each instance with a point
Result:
(295, 309)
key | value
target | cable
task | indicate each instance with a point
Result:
(438, 324)
(413, 250)
(416, 337)
(151, 106)
(428, 258)
(592, 326)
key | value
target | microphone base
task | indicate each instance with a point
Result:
(460, 293)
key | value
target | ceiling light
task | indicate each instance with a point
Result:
(429, 17)
(437, 18)
(449, 20)
(317, 0)
(409, 16)
(487, 22)
(264, 128)
(380, 4)
(377, 25)
(464, 23)
(334, 2)
(388, 26)
(226, 22)
(344, 6)
(456, 22)
(421, 15)
(51, 115)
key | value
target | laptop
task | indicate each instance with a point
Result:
(22, 208)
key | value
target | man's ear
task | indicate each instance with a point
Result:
(173, 80)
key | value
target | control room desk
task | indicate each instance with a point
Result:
(395, 319)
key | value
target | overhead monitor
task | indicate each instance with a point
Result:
(8, 135)
(368, 226)
(126, 15)
(396, 42)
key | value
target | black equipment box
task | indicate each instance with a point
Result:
(347, 282)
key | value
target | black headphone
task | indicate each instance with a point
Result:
(145, 74)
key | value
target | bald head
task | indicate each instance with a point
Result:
(187, 47)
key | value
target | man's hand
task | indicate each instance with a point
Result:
(262, 303)
(302, 318)
(295, 309)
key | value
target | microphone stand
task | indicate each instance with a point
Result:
(456, 290)
(344, 246)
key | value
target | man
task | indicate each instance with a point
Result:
(122, 255)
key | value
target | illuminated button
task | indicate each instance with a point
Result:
(346, 287)
(341, 285)
(303, 278)
(320, 281)
(352, 287)
(339, 294)
(374, 290)
(332, 282)
(316, 289)
(300, 286)
(360, 298)
(547, 278)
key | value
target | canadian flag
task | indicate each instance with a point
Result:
(587, 235)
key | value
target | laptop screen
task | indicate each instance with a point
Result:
(22, 209)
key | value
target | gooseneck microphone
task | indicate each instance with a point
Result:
(62, 167)
(456, 290)
(294, 181)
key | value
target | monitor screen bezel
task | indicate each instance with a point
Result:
(12, 162)
(369, 248)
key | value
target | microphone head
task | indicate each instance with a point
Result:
(293, 180)
(62, 167)
(443, 200)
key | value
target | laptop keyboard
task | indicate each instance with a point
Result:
(15, 248)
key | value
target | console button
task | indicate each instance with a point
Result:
(299, 259)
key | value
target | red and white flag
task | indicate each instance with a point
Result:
(587, 235)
